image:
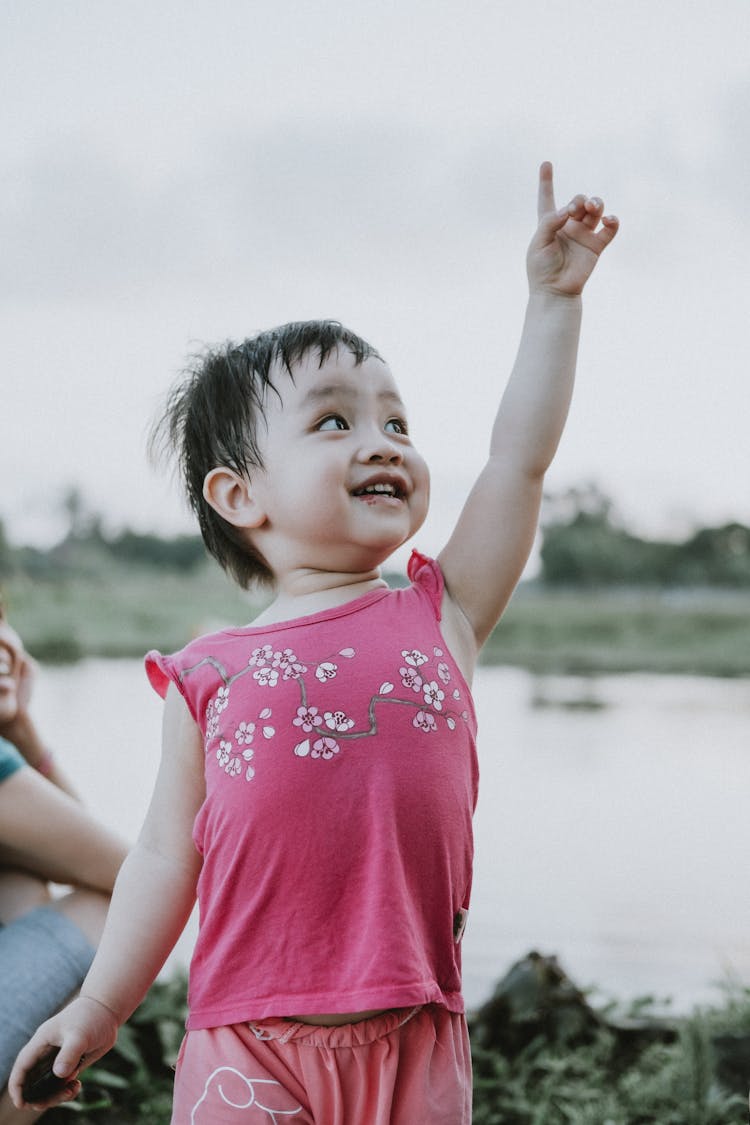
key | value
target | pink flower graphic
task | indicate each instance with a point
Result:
(433, 696)
(287, 662)
(244, 734)
(425, 721)
(307, 718)
(411, 679)
(324, 748)
(261, 656)
(266, 677)
(222, 699)
(337, 720)
(294, 671)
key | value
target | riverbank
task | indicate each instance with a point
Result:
(547, 630)
(620, 629)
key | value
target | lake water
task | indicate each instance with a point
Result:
(612, 827)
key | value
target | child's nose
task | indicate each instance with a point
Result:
(379, 449)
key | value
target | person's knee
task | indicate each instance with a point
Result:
(20, 893)
(87, 910)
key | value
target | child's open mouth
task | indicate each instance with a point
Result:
(379, 490)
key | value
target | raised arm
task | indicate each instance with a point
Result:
(488, 550)
(152, 900)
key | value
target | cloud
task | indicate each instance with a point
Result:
(360, 193)
(75, 223)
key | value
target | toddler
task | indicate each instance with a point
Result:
(319, 774)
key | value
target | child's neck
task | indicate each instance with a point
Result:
(311, 591)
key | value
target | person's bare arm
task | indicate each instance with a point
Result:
(152, 900)
(490, 546)
(46, 832)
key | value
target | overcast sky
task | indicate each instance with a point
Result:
(175, 173)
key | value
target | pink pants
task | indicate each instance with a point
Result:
(406, 1067)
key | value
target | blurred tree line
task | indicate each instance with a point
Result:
(583, 545)
(88, 548)
(96, 550)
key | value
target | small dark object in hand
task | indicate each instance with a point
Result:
(41, 1081)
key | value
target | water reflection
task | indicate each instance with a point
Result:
(568, 693)
(611, 828)
(615, 836)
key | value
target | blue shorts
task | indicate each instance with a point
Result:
(43, 960)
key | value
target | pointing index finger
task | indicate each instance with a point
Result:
(546, 202)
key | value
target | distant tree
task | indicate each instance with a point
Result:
(75, 509)
(184, 552)
(7, 554)
(561, 508)
(717, 556)
(584, 545)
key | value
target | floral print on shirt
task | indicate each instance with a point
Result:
(316, 732)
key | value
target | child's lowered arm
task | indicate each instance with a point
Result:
(152, 900)
(488, 550)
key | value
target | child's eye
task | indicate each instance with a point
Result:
(332, 422)
(396, 426)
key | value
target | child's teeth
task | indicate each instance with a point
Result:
(378, 489)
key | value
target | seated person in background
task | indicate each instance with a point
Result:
(46, 836)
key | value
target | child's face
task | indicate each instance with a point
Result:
(342, 486)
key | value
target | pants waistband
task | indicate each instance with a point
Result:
(342, 1035)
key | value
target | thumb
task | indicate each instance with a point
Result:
(549, 225)
(70, 1056)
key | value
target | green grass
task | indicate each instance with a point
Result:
(621, 630)
(123, 613)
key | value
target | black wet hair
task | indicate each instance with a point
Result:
(211, 419)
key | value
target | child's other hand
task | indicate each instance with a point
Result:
(567, 244)
(16, 723)
(76, 1037)
(27, 671)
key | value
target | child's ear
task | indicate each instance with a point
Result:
(232, 496)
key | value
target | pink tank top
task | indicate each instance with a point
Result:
(341, 778)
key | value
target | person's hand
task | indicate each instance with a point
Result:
(17, 675)
(567, 243)
(27, 672)
(12, 658)
(83, 1032)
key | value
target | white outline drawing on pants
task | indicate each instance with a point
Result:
(251, 1083)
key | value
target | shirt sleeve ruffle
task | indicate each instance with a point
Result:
(425, 573)
(161, 672)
